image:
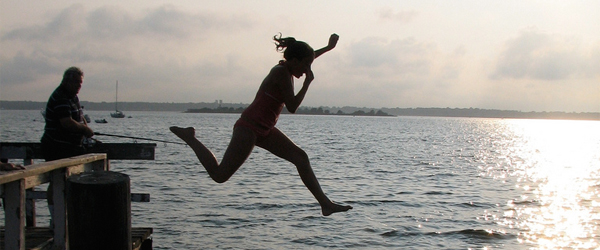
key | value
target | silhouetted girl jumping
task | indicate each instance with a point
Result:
(256, 126)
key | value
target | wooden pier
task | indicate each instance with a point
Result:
(16, 187)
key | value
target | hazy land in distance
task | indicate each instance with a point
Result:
(220, 107)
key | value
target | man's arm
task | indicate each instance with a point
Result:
(76, 127)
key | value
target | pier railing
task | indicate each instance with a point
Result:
(15, 186)
(15, 183)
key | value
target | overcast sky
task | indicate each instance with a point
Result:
(505, 54)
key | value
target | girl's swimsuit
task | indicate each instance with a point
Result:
(262, 114)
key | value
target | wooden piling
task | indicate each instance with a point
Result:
(99, 205)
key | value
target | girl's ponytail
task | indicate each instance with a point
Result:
(292, 48)
(282, 43)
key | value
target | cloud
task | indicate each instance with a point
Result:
(387, 14)
(25, 68)
(66, 23)
(379, 56)
(402, 60)
(378, 71)
(111, 43)
(541, 56)
(111, 22)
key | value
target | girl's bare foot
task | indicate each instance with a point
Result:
(184, 133)
(334, 208)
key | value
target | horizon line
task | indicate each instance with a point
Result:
(345, 106)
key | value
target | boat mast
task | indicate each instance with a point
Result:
(117, 96)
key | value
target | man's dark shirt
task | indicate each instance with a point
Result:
(61, 105)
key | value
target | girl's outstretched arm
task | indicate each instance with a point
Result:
(333, 39)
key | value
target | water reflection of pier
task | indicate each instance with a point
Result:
(16, 187)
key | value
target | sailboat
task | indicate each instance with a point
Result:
(117, 113)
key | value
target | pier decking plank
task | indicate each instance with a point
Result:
(114, 151)
(40, 238)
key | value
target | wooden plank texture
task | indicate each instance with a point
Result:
(114, 151)
(44, 167)
(41, 237)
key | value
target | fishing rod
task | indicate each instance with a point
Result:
(138, 138)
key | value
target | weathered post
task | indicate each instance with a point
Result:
(15, 216)
(99, 211)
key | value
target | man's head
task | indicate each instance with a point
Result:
(72, 80)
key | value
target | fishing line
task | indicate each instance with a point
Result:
(138, 138)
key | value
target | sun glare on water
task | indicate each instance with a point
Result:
(558, 171)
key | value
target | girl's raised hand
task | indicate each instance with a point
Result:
(333, 39)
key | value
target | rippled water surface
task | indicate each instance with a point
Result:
(414, 183)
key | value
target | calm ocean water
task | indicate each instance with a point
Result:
(414, 183)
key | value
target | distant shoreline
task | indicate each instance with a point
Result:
(300, 111)
(220, 107)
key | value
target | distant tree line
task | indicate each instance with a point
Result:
(492, 113)
(125, 106)
(216, 110)
(301, 110)
(220, 107)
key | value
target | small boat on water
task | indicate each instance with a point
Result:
(117, 113)
(100, 121)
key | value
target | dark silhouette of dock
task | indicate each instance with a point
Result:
(17, 187)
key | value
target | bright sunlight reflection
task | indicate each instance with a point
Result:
(558, 168)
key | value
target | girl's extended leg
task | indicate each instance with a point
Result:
(241, 145)
(280, 145)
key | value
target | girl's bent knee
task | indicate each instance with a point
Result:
(220, 179)
(302, 158)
